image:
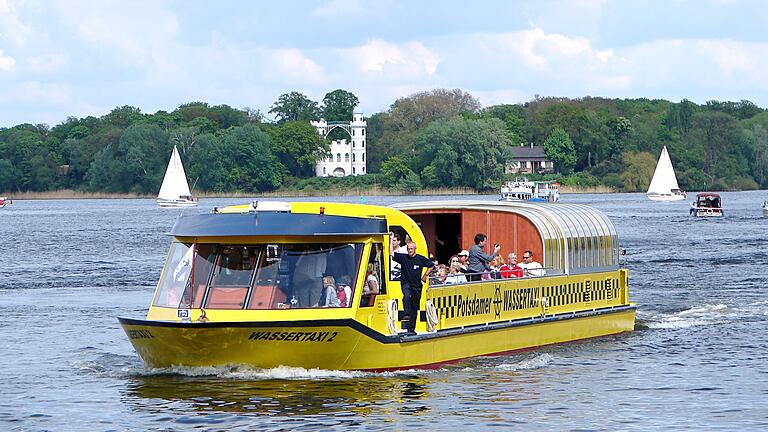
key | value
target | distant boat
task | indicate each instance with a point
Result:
(4, 201)
(765, 209)
(664, 183)
(175, 190)
(523, 190)
(707, 204)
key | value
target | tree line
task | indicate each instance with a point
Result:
(432, 139)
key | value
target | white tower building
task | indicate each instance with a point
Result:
(347, 156)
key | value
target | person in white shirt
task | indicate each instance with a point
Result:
(529, 266)
(454, 274)
(308, 277)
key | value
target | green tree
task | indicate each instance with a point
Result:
(639, 170)
(254, 167)
(124, 116)
(418, 110)
(463, 153)
(294, 106)
(559, 149)
(339, 105)
(620, 128)
(298, 146)
(513, 117)
(394, 170)
(9, 176)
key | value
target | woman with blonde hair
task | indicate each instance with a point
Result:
(371, 287)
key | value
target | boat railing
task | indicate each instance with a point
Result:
(472, 278)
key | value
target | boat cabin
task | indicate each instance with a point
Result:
(565, 239)
(707, 204)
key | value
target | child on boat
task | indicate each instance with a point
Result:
(329, 298)
(344, 291)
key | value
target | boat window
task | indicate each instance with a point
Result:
(231, 279)
(306, 276)
(205, 255)
(374, 284)
(173, 280)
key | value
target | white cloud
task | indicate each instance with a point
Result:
(11, 26)
(294, 65)
(134, 34)
(7, 63)
(732, 57)
(379, 58)
(712, 68)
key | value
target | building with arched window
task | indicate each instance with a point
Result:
(335, 164)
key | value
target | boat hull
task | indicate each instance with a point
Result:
(707, 212)
(675, 197)
(172, 203)
(349, 345)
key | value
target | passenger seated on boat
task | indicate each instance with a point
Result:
(439, 274)
(371, 287)
(510, 269)
(329, 297)
(531, 267)
(454, 273)
(463, 261)
(344, 291)
(493, 269)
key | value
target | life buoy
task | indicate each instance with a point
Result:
(432, 318)
(392, 317)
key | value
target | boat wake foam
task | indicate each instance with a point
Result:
(537, 362)
(281, 372)
(704, 315)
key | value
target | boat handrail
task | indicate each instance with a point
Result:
(547, 271)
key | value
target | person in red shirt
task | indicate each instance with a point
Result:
(510, 269)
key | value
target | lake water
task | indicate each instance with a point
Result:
(698, 360)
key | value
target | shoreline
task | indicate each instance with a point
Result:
(374, 191)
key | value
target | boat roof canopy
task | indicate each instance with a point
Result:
(575, 238)
(269, 223)
(707, 194)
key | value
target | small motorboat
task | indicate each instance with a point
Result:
(4, 201)
(707, 204)
(765, 209)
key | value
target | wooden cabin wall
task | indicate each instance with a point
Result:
(427, 224)
(513, 232)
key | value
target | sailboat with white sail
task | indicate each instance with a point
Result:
(174, 191)
(664, 182)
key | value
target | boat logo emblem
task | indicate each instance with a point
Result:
(497, 301)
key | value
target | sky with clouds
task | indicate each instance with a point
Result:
(61, 58)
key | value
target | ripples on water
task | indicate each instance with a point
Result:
(696, 361)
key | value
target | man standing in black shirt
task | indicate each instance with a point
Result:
(411, 265)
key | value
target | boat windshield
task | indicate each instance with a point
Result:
(259, 276)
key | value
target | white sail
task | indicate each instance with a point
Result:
(664, 183)
(175, 189)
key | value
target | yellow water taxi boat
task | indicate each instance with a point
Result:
(249, 285)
